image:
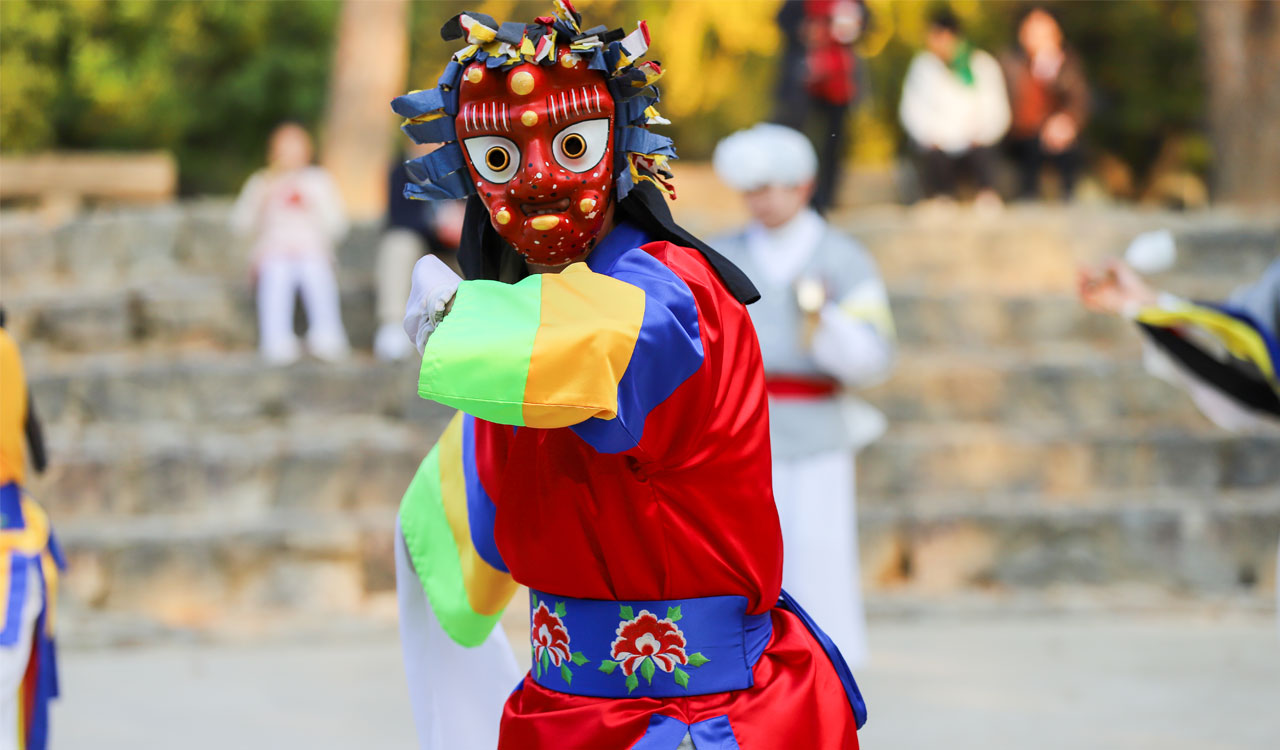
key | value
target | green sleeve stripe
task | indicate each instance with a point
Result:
(478, 359)
(434, 553)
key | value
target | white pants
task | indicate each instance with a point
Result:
(280, 278)
(456, 693)
(398, 250)
(14, 659)
(816, 506)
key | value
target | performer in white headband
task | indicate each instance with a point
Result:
(824, 327)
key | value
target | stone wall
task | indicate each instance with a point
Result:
(1028, 449)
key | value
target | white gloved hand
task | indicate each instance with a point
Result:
(434, 285)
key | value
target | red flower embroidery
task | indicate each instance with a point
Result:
(647, 637)
(549, 635)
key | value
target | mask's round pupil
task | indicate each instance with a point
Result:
(574, 146)
(497, 158)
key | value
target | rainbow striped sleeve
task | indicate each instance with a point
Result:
(1242, 336)
(582, 349)
(447, 517)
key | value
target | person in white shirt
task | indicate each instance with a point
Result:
(293, 212)
(824, 327)
(955, 108)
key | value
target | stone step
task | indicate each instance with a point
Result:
(988, 458)
(223, 571)
(1064, 387)
(223, 388)
(201, 571)
(317, 464)
(182, 311)
(1036, 249)
(1025, 249)
(965, 322)
(325, 462)
(1186, 546)
(110, 247)
(207, 310)
(1067, 387)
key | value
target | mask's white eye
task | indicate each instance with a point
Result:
(496, 158)
(579, 147)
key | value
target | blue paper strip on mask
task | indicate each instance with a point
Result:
(597, 61)
(436, 165)
(612, 54)
(631, 111)
(625, 183)
(451, 75)
(426, 192)
(453, 185)
(418, 103)
(642, 141)
(439, 130)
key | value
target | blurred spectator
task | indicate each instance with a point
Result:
(1225, 356)
(1049, 96)
(293, 212)
(824, 327)
(820, 76)
(954, 108)
(413, 228)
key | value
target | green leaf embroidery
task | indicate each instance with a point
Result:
(673, 614)
(696, 659)
(578, 658)
(546, 660)
(626, 612)
(560, 609)
(682, 678)
(607, 666)
(534, 598)
(647, 669)
(632, 682)
(565, 673)
(537, 668)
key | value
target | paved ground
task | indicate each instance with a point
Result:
(982, 682)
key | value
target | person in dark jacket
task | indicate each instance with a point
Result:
(1049, 99)
(820, 79)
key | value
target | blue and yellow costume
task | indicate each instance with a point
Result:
(30, 554)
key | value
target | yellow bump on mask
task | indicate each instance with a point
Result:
(475, 74)
(522, 82)
(503, 216)
(544, 222)
(586, 205)
(529, 118)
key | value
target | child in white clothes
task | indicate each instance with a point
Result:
(294, 214)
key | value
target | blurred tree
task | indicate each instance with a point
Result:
(207, 80)
(1242, 55)
(368, 72)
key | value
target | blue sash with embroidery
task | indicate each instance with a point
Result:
(653, 649)
(660, 649)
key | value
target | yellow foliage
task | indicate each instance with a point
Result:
(703, 46)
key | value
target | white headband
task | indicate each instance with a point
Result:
(766, 154)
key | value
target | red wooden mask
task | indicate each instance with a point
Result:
(538, 141)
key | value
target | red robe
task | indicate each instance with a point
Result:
(668, 498)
